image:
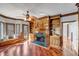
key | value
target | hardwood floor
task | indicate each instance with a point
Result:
(29, 49)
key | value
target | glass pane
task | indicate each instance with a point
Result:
(0, 30)
(10, 30)
(25, 29)
(17, 29)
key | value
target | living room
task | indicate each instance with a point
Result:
(48, 30)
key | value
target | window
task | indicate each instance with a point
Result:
(0, 30)
(25, 29)
(10, 29)
(17, 29)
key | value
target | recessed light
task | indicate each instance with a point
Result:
(42, 14)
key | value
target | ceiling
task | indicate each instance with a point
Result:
(17, 10)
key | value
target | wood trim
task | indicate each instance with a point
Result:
(69, 21)
(77, 4)
(10, 17)
(51, 17)
(43, 17)
(60, 15)
(55, 16)
(69, 14)
(50, 26)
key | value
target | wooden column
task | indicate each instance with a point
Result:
(78, 26)
(50, 26)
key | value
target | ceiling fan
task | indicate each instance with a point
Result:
(27, 17)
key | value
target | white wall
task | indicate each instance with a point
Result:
(69, 18)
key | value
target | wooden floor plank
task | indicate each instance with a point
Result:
(31, 50)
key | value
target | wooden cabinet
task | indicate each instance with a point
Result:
(44, 27)
(55, 31)
(44, 24)
(55, 25)
(55, 41)
(48, 25)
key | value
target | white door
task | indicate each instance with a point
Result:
(70, 38)
(73, 35)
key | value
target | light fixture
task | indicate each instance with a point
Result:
(27, 15)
